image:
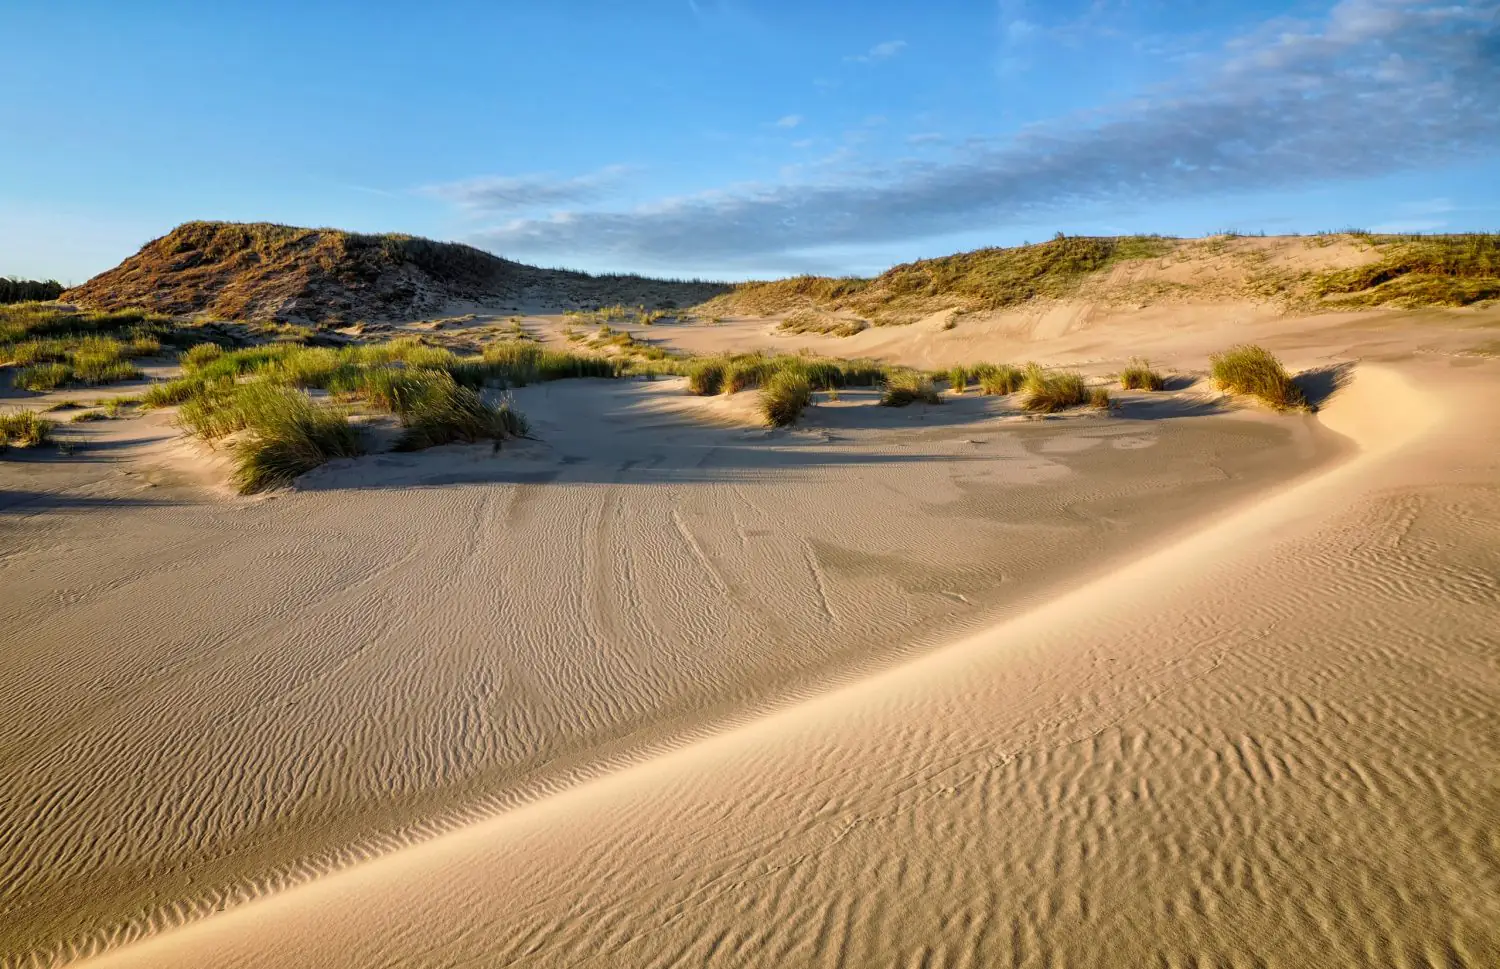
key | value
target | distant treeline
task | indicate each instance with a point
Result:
(25, 290)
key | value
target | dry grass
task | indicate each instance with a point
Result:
(1099, 399)
(1253, 370)
(1140, 376)
(1418, 270)
(811, 321)
(1048, 392)
(997, 380)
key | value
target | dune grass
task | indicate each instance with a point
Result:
(1140, 376)
(24, 428)
(784, 396)
(1099, 399)
(905, 387)
(444, 411)
(290, 434)
(958, 379)
(1048, 392)
(826, 324)
(1254, 371)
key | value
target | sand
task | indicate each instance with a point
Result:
(1177, 686)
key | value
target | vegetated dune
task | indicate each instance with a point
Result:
(1175, 684)
(260, 271)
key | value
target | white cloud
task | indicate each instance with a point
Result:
(880, 52)
(789, 121)
(1280, 108)
(511, 193)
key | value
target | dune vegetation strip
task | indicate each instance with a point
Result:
(24, 429)
(52, 347)
(1140, 376)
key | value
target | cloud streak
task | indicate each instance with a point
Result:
(493, 194)
(1377, 86)
(880, 52)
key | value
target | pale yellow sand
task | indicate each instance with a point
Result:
(661, 693)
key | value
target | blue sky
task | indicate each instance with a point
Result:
(735, 138)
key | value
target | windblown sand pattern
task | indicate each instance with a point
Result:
(1212, 691)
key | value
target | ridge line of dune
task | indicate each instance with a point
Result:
(1379, 411)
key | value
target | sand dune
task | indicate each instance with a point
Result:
(942, 690)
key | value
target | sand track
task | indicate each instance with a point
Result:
(1270, 742)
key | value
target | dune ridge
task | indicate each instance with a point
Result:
(1380, 412)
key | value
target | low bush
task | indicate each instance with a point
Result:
(1047, 393)
(784, 395)
(1249, 369)
(905, 387)
(1140, 376)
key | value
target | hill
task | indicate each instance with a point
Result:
(261, 271)
(1339, 270)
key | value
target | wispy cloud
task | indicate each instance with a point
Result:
(880, 52)
(516, 193)
(1377, 86)
(789, 121)
(926, 138)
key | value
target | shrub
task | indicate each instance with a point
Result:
(24, 428)
(706, 376)
(200, 355)
(43, 377)
(1049, 392)
(1249, 369)
(1140, 376)
(958, 379)
(784, 395)
(1099, 399)
(906, 387)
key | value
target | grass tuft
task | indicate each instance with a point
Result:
(997, 380)
(905, 387)
(958, 379)
(706, 376)
(1047, 393)
(1140, 376)
(24, 428)
(1253, 370)
(1099, 399)
(784, 395)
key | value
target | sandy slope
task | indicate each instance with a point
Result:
(1271, 743)
(660, 691)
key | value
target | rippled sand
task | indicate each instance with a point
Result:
(930, 689)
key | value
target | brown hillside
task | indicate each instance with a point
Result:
(261, 271)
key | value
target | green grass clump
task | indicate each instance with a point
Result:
(1253, 370)
(200, 355)
(904, 387)
(997, 380)
(958, 379)
(1047, 393)
(447, 412)
(24, 428)
(174, 392)
(1140, 376)
(43, 377)
(743, 372)
(706, 376)
(784, 395)
(92, 369)
(812, 321)
(1099, 399)
(290, 435)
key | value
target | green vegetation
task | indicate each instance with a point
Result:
(997, 380)
(1417, 270)
(958, 379)
(1252, 370)
(24, 428)
(1099, 399)
(811, 321)
(54, 347)
(784, 395)
(985, 279)
(706, 376)
(1140, 376)
(903, 387)
(1047, 393)
(13, 290)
